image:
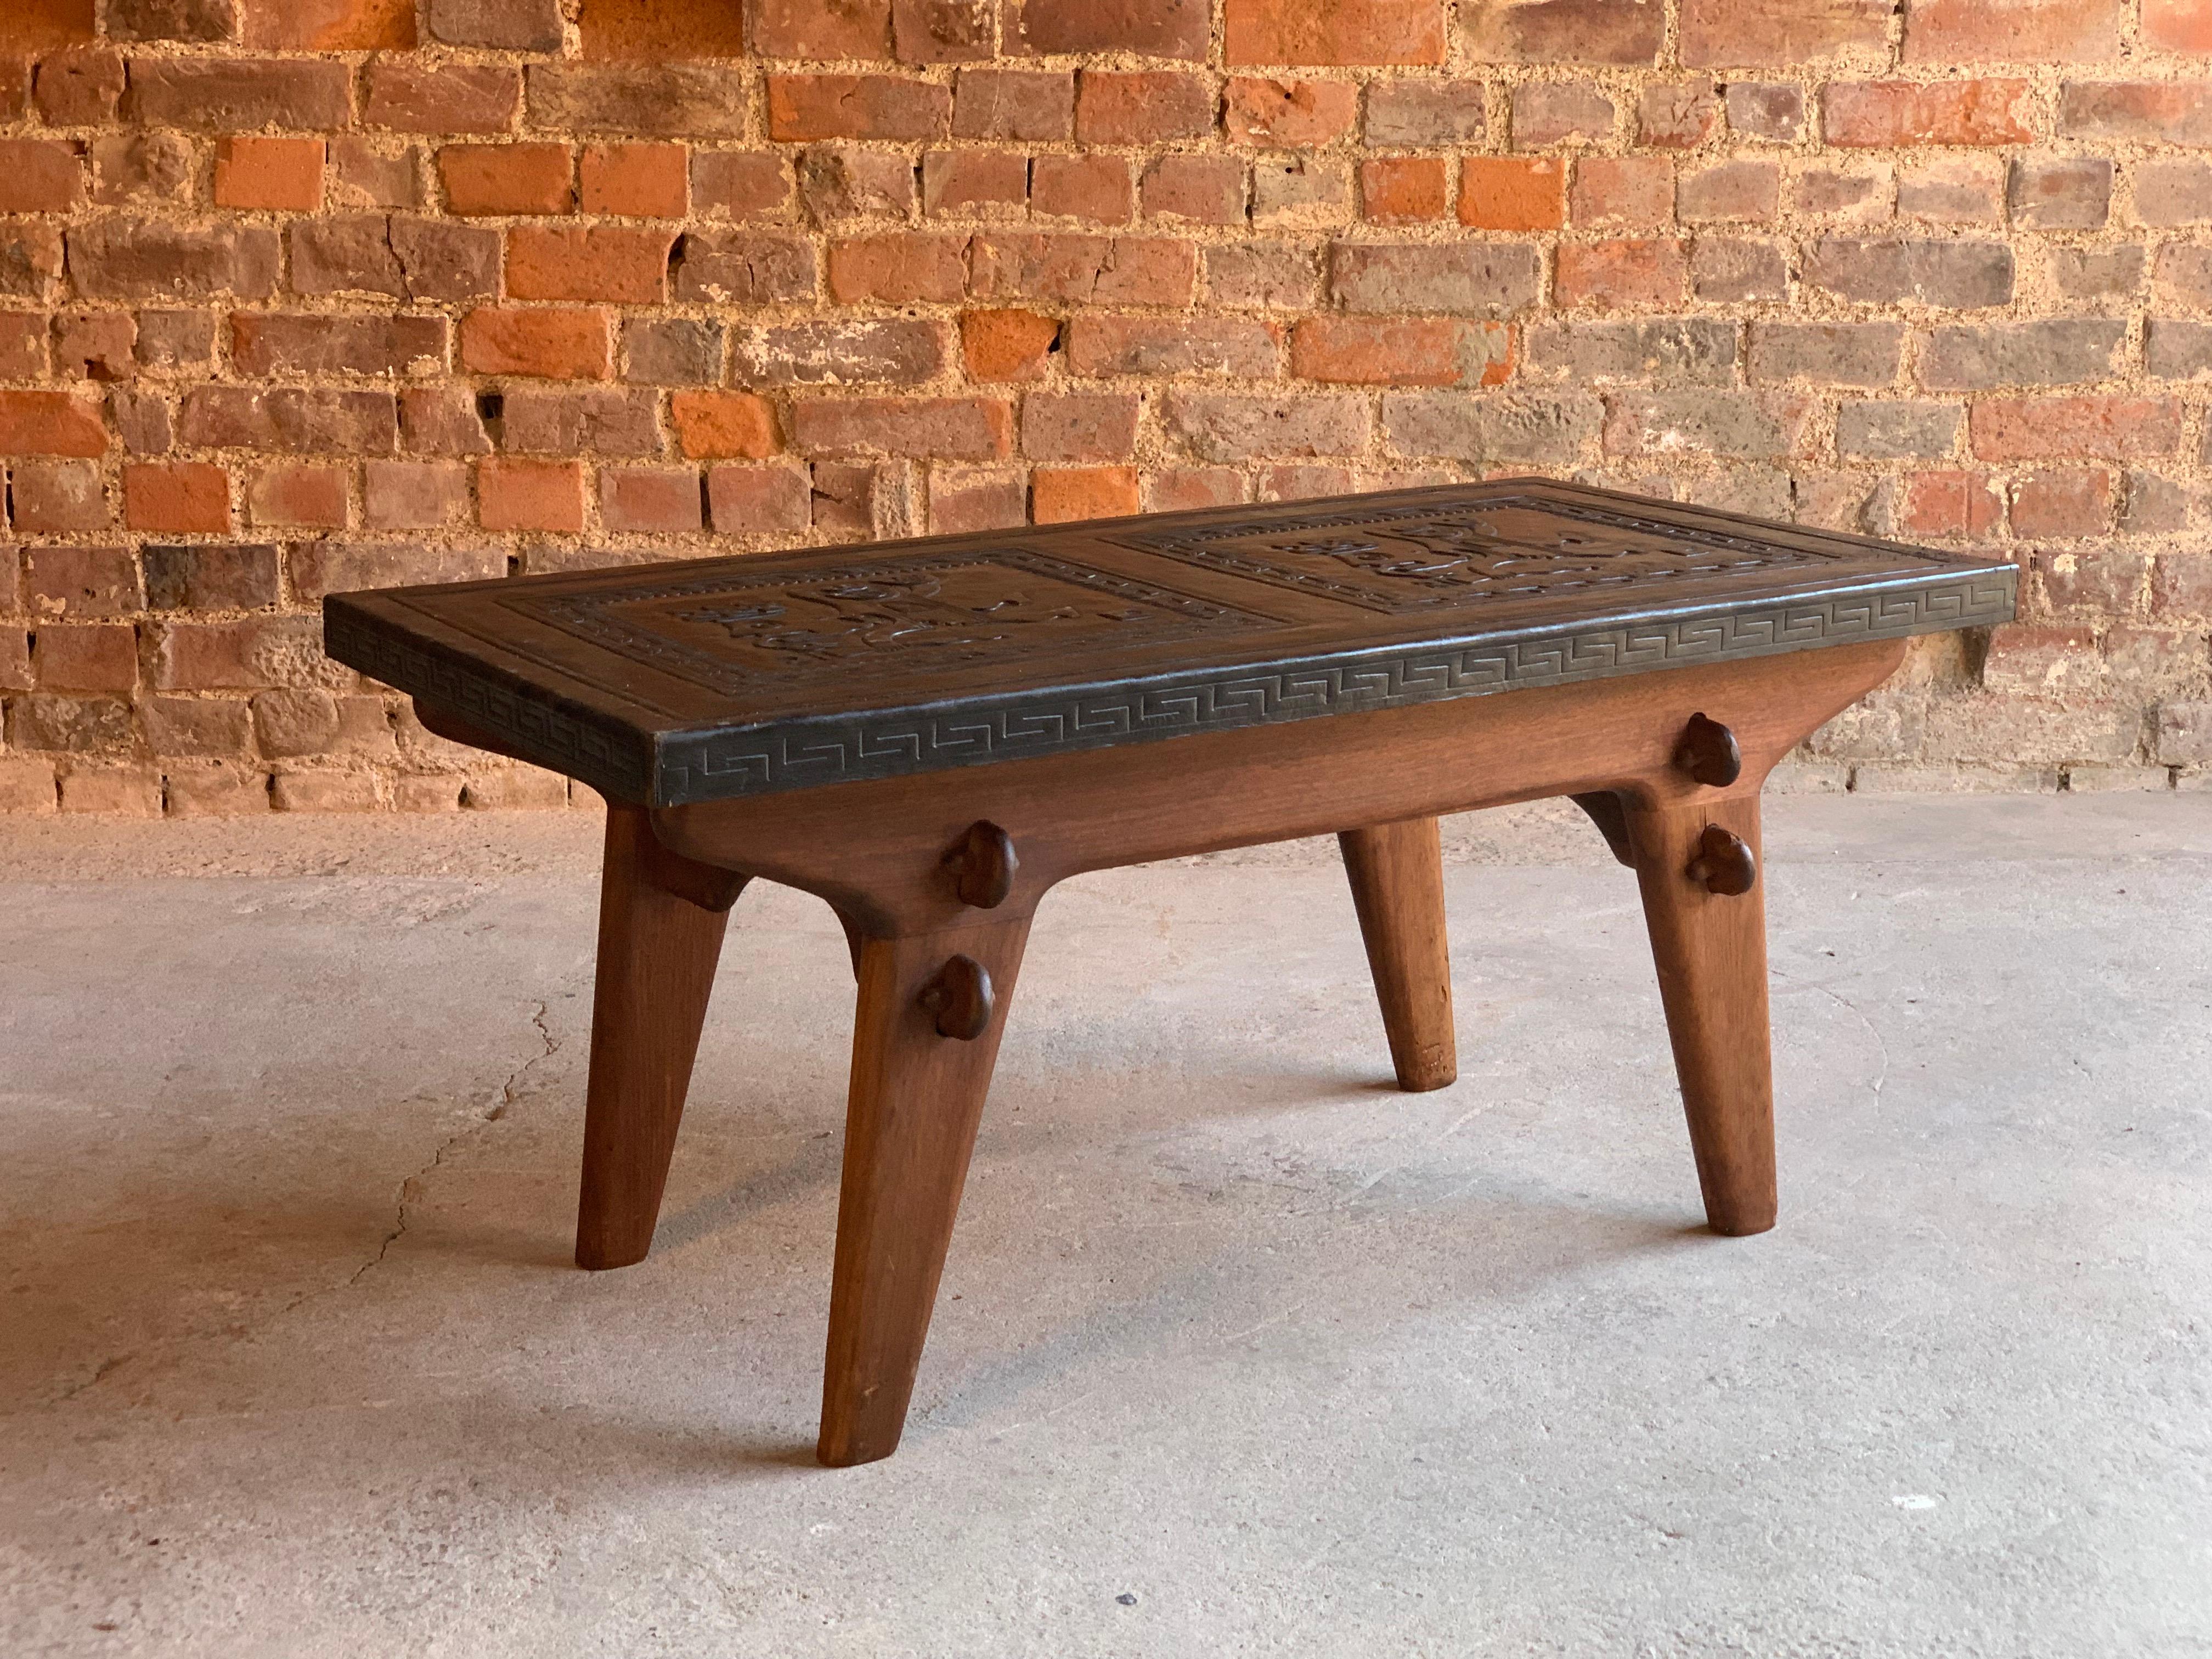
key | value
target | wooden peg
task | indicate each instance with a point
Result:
(1708, 753)
(960, 996)
(1724, 864)
(982, 864)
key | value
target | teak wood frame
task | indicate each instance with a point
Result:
(895, 857)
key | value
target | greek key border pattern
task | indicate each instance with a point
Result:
(803, 754)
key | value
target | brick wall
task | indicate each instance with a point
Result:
(299, 295)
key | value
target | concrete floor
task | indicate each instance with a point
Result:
(1241, 1352)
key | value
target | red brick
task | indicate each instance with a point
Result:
(1063, 494)
(414, 495)
(2177, 25)
(1949, 502)
(328, 25)
(22, 345)
(181, 495)
(95, 345)
(724, 425)
(1007, 346)
(1340, 31)
(957, 429)
(78, 88)
(898, 268)
(82, 582)
(2015, 32)
(1093, 187)
(1404, 190)
(1885, 114)
(1171, 345)
(1203, 190)
(1025, 105)
(1288, 114)
(605, 262)
(746, 183)
(637, 181)
(975, 182)
(1625, 273)
(404, 96)
(1717, 33)
(1145, 107)
(269, 343)
(46, 495)
(1565, 31)
(504, 179)
(942, 31)
(753, 498)
(802, 108)
(521, 494)
(1187, 488)
(811, 29)
(1401, 351)
(961, 501)
(87, 657)
(2068, 429)
(282, 175)
(1511, 192)
(656, 500)
(1079, 426)
(1677, 114)
(1626, 192)
(309, 497)
(2070, 502)
(51, 423)
(39, 175)
(2155, 111)
(1151, 28)
(558, 345)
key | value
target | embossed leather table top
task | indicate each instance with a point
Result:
(667, 684)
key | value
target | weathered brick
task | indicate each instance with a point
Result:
(1347, 31)
(507, 178)
(898, 268)
(635, 181)
(1897, 431)
(1097, 188)
(1227, 426)
(632, 100)
(95, 345)
(1952, 189)
(321, 567)
(1511, 192)
(1828, 354)
(732, 267)
(1469, 279)
(1141, 107)
(404, 96)
(202, 577)
(1419, 113)
(2183, 274)
(1151, 28)
(2019, 31)
(1300, 192)
(2062, 502)
(56, 495)
(1007, 346)
(580, 420)
(802, 108)
(294, 494)
(350, 254)
(149, 170)
(1625, 273)
(1774, 112)
(51, 423)
(2097, 276)
(268, 343)
(39, 175)
(414, 495)
(1083, 270)
(238, 94)
(672, 351)
(81, 583)
(502, 24)
(724, 425)
(2063, 193)
(70, 724)
(891, 351)
(513, 494)
(2058, 351)
(1677, 114)
(1264, 276)
(2175, 349)
(1547, 112)
(2114, 428)
(654, 499)
(974, 184)
(2167, 191)
(31, 257)
(1066, 494)
(1151, 345)
(442, 421)
(119, 257)
(86, 657)
(1733, 424)
(1287, 114)
(23, 354)
(282, 175)
(1691, 350)
(956, 429)
(810, 29)
(1204, 190)
(1747, 189)
(1404, 190)
(1885, 114)
(2149, 112)
(176, 495)
(564, 345)
(754, 185)
(368, 173)
(1716, 33)
(1492, 428)
(1958, 276)
(1726, 271)
(1565, 32)
(942, 31)
(300, 419)
(963, 501)
(1023, 105)
(614, 263)
(1626, 192)
(1402, 351)
(1078, 426)
(746, 499)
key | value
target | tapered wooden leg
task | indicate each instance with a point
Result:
(917, 1097)
(1398, 887)
(1710, 950)
(661, 920)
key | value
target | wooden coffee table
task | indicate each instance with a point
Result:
(930, 734)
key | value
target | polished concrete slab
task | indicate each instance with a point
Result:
(1241, 1350)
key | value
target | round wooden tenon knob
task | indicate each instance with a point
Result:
(959, 995)
(1708, 753)
(1724, 864)
(982, 864)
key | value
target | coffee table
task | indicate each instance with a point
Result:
(929, 734)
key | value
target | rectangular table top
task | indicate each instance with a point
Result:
(662, 685)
